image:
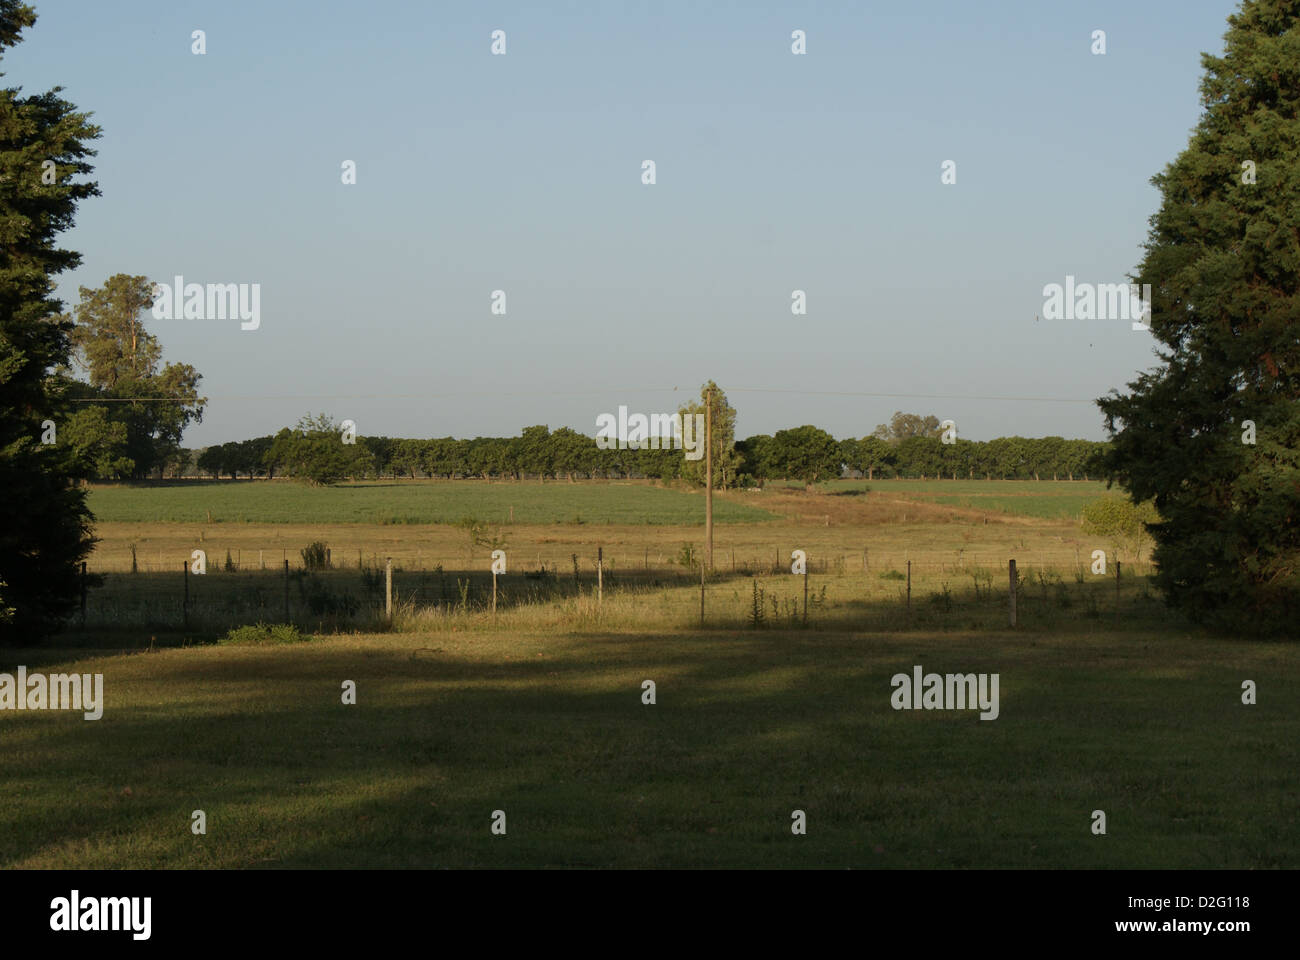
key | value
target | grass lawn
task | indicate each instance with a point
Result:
(549, 726)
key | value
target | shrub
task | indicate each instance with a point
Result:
(322, 600)
(372, 579)
(474, 529)
(757, 613)
(263, 633)
(892, 575)
(316, 556)
(1120, 521)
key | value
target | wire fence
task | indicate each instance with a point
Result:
(323, 591)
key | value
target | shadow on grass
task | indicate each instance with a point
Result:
(746, 728)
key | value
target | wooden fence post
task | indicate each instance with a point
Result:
(388, 591)
(185, 602)
(600, 575)
(286, 590)
(909, 593)
(1011, 591)
(701, 593)
(1117, 589)
(83, 594)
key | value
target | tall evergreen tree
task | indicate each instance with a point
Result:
(1223, 261)
(44, 522)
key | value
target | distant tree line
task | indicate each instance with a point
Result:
(318, 450)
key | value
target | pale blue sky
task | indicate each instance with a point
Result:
(523, 172)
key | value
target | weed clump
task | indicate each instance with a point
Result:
(262, 633)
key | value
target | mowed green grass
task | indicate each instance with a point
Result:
(1045, 499)
(415, 502)
(748, 726)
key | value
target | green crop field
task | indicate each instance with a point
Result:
(407, 502)
(425, 502)
(1046, 499)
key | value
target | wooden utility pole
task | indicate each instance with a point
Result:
(708, 478)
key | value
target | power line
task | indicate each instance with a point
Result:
(907, 396)
(565, 393)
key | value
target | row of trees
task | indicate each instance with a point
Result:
(320, 451)
(810, 454)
